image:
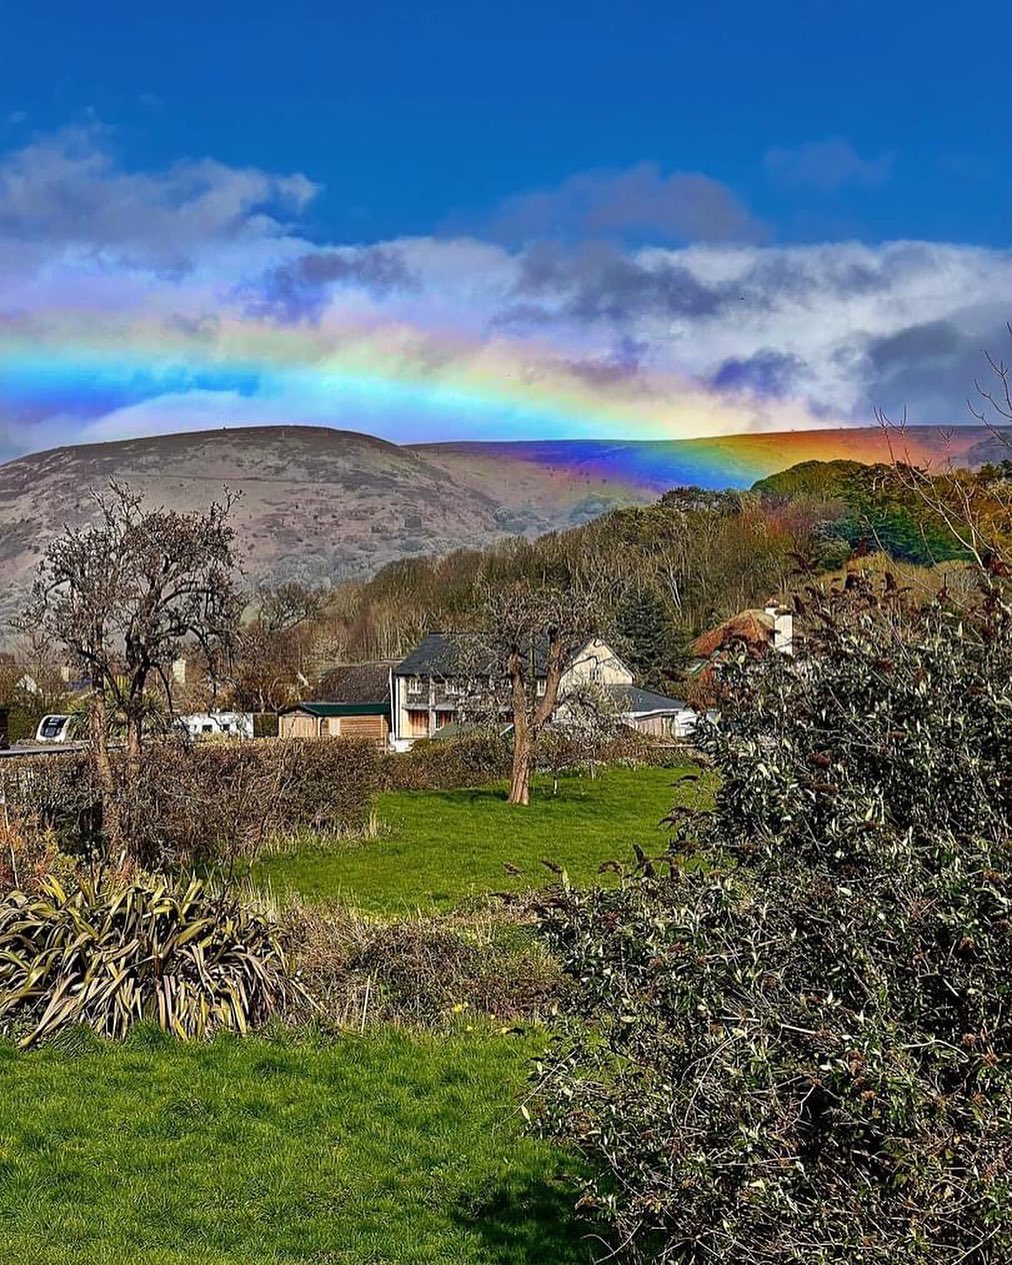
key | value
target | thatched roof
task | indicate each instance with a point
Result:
(751, 628)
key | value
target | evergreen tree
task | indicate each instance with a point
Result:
(653, 647)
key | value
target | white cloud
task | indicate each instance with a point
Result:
(135, 302)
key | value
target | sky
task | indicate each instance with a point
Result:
(477, 221)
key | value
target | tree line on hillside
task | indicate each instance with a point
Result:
(662, 574)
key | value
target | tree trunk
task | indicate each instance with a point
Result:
(99, 724)
(520, 780)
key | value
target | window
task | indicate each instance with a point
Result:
(542, 686)
(452, 687)
(414, 685)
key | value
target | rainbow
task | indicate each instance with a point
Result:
(397, 380)
(729, 461)
(91, 379)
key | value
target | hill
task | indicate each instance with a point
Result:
(732, 461)
(322, 505)
(317, 504)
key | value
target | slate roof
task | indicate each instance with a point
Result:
(441, 654)
(630, 698)
(356, 683)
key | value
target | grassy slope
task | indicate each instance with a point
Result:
(437, 847)
(379, 1149)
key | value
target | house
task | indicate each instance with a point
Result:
(758, 630)
(351, 701)
(429, 688)
(653, 714)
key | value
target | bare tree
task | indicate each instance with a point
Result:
(123, 595)
(531, 631)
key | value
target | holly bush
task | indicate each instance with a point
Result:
(791, 1036)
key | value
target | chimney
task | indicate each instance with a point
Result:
(783, 629)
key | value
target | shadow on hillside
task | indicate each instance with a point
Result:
(535, 1222)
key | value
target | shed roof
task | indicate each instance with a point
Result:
(630, 698)
(339, 709)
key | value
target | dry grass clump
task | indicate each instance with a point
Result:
(422, 971)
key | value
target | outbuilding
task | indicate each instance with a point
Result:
(352, 701)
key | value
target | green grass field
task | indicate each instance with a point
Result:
(437, 847)
(364, 1151)
(380, 1149)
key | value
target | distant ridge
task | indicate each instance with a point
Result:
(728, 461)
(323, 505)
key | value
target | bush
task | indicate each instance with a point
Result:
(800, 1050)
(55, 794)
(422, 971)
(200, 802)
(327, 785)
(446, 764)
(189, 959)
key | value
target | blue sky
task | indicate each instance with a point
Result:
(414, 116)
(668, 219)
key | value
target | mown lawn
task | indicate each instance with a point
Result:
(437, 847)
(362, 1151)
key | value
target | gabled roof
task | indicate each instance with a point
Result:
(356, 683)
(339, 709)
(631, 699)
(454, 654)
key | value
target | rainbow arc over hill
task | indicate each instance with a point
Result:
(117, 379)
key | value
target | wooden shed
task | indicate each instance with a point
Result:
(336, 720)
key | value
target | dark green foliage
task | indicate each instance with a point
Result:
(800, 1052)
(106, 956)
(869, 507)
(653, 648)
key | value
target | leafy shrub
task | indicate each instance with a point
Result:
(800, 1050)
(189, 959)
